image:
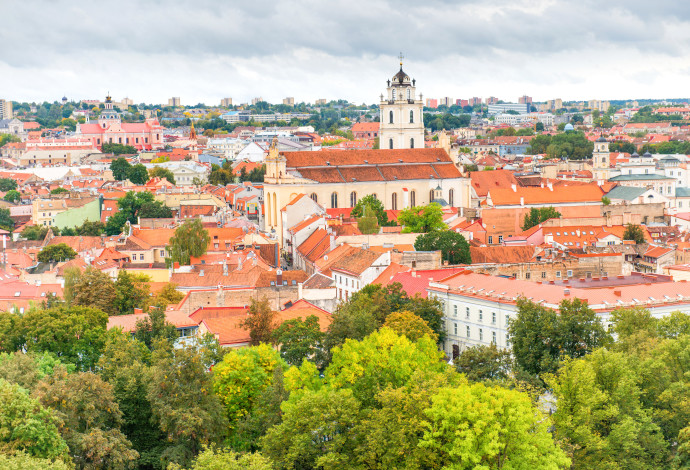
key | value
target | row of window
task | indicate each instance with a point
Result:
(390, 143)
(390, 117)
(409, 96)
(480, 315)
(468, 333)
(394, 200)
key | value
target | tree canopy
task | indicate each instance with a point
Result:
(55, 253)
(422, 219)
(539, 215)
(453, 246)
(190, 239)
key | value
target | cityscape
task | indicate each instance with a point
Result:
(365, 274)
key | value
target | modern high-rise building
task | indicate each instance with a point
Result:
(174, 101)
(598, 105)
(445, 101)
(226, 102)
(503, 107)
(402, 125)
(525, 99)
(289, 101)
(257, 99)
(321, 102)
(431, 103)
(491, 100)
(5, 109)
(474, 101)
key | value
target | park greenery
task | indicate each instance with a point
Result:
(132, 206)
(571, 145)
(370, 391)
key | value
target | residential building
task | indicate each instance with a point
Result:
(258, 99)
(491, 100)
(431, 103)
(525, 100)
(321, 102)
(445, 101)
(366, 130)
(503, 107)
(174, 101)
(402, 123)
(360, 268)
(289, 101)
(5, 109)
(226, 102)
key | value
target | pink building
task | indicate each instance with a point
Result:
(110, 129)
(462, 103)
(431, 103)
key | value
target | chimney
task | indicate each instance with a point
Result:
(225, 268)
(138, 311)
(279, 277)
(201, 273)
(542, 185)
(513, 187)
(549, 185)
(522, 201)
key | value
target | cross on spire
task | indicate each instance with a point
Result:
(401, 57)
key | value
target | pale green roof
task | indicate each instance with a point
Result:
(627, 193)
(652, 176)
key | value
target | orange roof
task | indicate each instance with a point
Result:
(356, 262)
(303, 224)
(657, 251)
(562, 193)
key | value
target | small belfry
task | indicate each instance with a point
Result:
(402, 123)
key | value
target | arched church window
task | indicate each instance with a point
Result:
(334, 200)
(411, 117)
(393, 94)
(409, 95)
(412, 143)
(390, 117)
(353, 199)
(412, 199)
(314, 197)
(390, 144)
(394, 201)
(431, 195)
(451, 198)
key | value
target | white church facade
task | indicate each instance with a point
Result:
(402, 122)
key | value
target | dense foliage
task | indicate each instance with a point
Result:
(453, 246)
(539, 215)
(572, 145)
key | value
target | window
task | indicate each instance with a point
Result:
(491, 239)
(163, 253)
(493, 318)
(412, 199)
(481, 334)
(528, 275)
(394, 201)
(455, 329)
(393, 94)
(409, 96)
(390, 115)
(411, 112)
(558, 274)
(467, 313)
(314, 197)
(468, 331)
(455, 310)
(500, 239)
(141, 256)
(543, 274)
(412, 143)
(353, 199)
(493, 337)
(570, 273)
(390, 144)
(334, 200)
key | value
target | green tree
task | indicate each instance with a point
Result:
(59, 190)
(155, 327)
(474, 426)
(539, 215)
(480, 363)
(57, 252)
(138, 174)
(168, 295)
(13, 196)
(411, 326)
(453, 246)
(539, 127)
(154, 210)
(190, 239)
(215, 459)
(75, 335)
(90, 229)
(605, 201)
(375, 205)
(23, 461)
(90, 418)
(300, 340)
(160, 172)
(120, 168)
(118, 149)
(34, 232)
(95, 288)
(6, 222)
(7, 184)
(260, 322)
(368, 224)
(27, 369)
(242, 376)
(600, 415)
(131, 291)
(183, 403)
(635, 233)
(422, 219)
(26, 426)
(129, 207)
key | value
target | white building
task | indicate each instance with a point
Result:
(230, 148)
(477, 308)
(402, 124)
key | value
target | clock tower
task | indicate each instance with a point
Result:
(402, 125)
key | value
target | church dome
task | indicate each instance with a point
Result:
(647, 155)
(401, 78)
(601, 139)
(568, 127)
(635, 155)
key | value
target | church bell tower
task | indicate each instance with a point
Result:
(402, 125)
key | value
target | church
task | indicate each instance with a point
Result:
(146, 135)
(403, 174)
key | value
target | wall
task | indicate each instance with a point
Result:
(77, 216)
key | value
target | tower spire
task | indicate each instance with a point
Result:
(401, 57)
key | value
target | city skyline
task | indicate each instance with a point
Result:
(203, 52)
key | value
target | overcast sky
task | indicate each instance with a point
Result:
(204, 50)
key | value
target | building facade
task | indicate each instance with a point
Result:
(402, 124)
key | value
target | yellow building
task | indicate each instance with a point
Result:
(338, 179)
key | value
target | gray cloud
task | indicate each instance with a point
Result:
(204, 47)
